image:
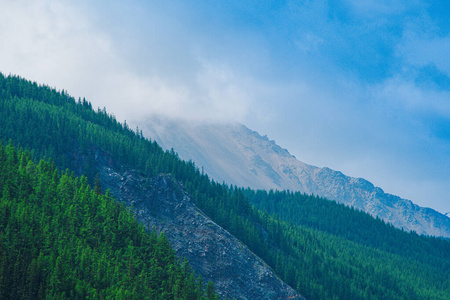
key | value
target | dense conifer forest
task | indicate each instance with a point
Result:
(324, 250)
(354, 225)
(60, 239)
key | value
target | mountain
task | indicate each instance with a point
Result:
(59, 237)
(317, 247)
(139, 174)
(162, 203)
(234, 154)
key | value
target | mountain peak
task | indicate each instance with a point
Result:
(234, 154)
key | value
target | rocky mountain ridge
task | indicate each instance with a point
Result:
(162, 203)
(234, 154)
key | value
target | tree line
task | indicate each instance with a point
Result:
(60, 239)
(322, 249)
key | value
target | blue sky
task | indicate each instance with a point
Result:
(359, 86)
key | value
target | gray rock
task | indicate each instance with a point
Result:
(234, 154)
(163, 204)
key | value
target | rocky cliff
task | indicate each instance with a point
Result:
(237, 155)
(162, 203)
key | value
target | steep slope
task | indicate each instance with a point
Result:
(59, 240)
(52, 124)
(162, 203)
(317, 263)
(234, 154)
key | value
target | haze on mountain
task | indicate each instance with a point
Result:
(323, 250)
(358, 86)
(234, 154)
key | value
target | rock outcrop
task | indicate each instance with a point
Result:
(162, 203)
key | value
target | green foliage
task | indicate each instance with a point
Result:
(347, 223)
(59, 239)
(324, 250)
(321, 265)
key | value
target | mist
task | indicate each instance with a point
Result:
(358, 86)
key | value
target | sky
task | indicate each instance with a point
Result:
(360, 86)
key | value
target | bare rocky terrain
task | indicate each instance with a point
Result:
(234, 154)
(162, 203)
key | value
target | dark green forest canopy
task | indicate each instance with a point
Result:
(346, 222)
(322, 249)
(59, 239)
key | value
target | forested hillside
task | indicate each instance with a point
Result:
(60, 239)
(235, 154)
(321, 253)
(345, 222)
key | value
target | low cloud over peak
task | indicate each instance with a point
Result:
(338, 83)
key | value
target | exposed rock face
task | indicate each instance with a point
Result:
(212, 251)
(239, 156)
(363, 195)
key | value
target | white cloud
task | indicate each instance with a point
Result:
(224, 94)
(158, 62)
(404, 95)
(308, 42)
(216, 96)
(57, 43)
(50, 42)
(424, 50)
